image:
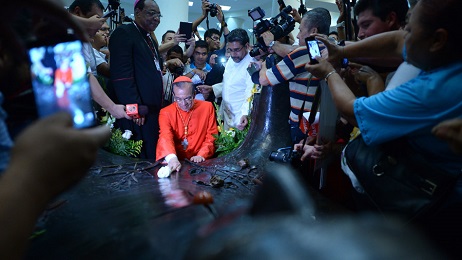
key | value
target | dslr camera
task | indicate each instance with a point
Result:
(176, 70)
(213, 10)
(114, 4)
(285, 155)
(280, 25)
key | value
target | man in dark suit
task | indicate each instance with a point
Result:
(136, 76)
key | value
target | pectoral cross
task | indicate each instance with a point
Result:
(185, 144)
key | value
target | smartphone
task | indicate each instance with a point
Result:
(220, 60)
(186, 29)
(108, 14)
(60, 81)
(252, 69)
(313, 49)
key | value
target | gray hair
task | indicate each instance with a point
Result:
(318, 18)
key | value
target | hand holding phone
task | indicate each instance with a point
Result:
(313, 49)
(186, 29)
(253, 67)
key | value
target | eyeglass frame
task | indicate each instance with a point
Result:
(215, 39)
(153, 14)
(234, 51)
(185, 100)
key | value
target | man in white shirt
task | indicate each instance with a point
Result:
(237, 84)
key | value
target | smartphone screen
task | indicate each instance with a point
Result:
(313, 49)
(60, 82)
(221, 60)
(186, 29)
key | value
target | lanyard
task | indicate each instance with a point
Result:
(150, 43)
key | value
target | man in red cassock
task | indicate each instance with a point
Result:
(187, 127)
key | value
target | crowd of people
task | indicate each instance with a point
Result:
(400, 82)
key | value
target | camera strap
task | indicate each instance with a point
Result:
(207, 21)
(304, 124)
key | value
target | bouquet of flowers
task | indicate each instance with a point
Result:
(228, 140)
(120, 143)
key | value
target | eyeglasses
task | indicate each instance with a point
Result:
(234, 50)
(153, 14)
(215, 38)
(186, 99)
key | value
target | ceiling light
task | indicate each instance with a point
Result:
(191, 3)
(225, 7)
(200, 29)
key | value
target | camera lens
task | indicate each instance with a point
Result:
(213, 10)
(278, 156)
(254, 52)
(179, 70)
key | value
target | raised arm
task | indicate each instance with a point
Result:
(341, 94)
(341, 23)
(167, 45)
(280, 49)
(387, 44)
(221, 19)
(205, 6)
(92, 24)
(192, 44)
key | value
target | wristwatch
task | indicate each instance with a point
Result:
(271, 44)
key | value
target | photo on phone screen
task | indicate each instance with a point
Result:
(60, 82)
(313, 49)
(186, 29)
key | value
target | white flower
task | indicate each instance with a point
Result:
(231, 133)
(164, 172)
(127, 134)
(110, 121)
